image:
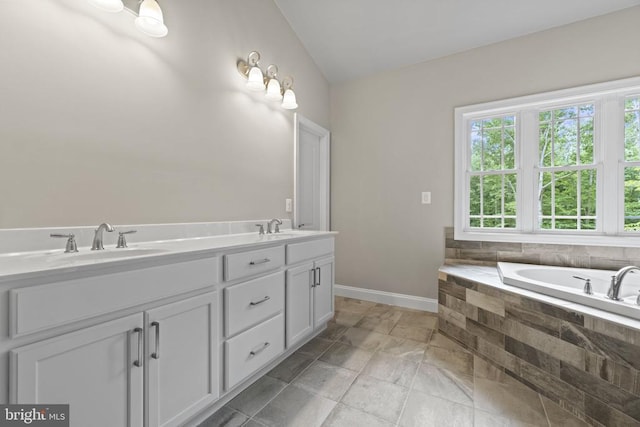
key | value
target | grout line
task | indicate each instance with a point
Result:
(544, 408)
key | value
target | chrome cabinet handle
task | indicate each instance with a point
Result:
(313, 283)
(319, 276)
(262, 261)
(301, 225)
(138, 362)
(265, 299)
(156, 354)
(260, 350)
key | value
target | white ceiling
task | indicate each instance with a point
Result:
(354, 38)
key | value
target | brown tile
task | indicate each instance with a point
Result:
(420, 319)
(395, 370)
(465, 283)
(382, 322)
(291, 367)
(442, 341)
(484, 332)
(376, 397)
(550, 384)
(462, 244)
(445, 384)
(333, 331)
(611, 348)
(502, 246)
(423, 410)
(353, 305)
(613, 396)
(452, 289)
(459, 334)
(553, 311)
(456, 361)
(509, 399)
(346, 318)
(607, 263)
(315, 347)
(488, 370)
(448, 315)
(346, 356)
(535, 319)
(613, 330)
(606, 414)
(498, 355)
(531, 355)
(346, 416)
(412, 332)
(405, 348)
(363, 338)
(479, 254)
(553, 346)
(460, 306)
(494, 305)
(519, 257)
(491, 320)
(559, 417)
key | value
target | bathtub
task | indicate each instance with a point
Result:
(559, 282)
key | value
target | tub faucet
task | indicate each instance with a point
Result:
(278, 224)
(97, 238)
(616, 281)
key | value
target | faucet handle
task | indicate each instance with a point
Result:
(122, 241)
(261, 229)
(71, 241)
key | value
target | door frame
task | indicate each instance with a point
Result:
(325, 168)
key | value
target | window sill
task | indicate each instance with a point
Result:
(568, 238)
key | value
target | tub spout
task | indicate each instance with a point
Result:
(616, 281)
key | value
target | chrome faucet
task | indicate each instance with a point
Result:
(616, 281)
(278, 224)
(97, 238)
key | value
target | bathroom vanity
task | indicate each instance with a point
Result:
(165, 335)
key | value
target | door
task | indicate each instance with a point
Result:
(182, 359)
(323, 291)
(98, 371)
(311, 175)
(298, 303)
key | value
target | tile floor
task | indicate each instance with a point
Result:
(379, 365)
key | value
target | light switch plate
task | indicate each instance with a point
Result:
(288, 205)
(426, 197)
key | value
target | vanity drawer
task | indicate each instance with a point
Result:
(250, 263)
(253, 349)
(41, 307)
(250, 302)
(297, 252)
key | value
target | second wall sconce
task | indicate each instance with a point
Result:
(149, 18)
(258, 81)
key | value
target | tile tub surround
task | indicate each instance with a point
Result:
(585, 360)
(583, 256)
(359, 372)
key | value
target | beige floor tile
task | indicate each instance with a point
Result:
(439, 340)
(326, 380)
(419, 319)
(442, 383)
(379, 398)
(509, 399)
(346, 356)
(484, 369)
(391, 369)
(253, 423)
(367, 340)
(353, 305)
(333, 331)
(405, 348)
(347, 318)
(225, 417)
(423, 410)
(559, 417)
(291, 367)
(415, 333)
(459, 362)
(257, 395)
(383, 322)
(296, 407)
(485, 419)
(315, 347)
(346, 416)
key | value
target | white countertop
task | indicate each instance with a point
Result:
(489, 276)
(34, 264)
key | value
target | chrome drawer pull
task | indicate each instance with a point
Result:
(265, 299)
(156, 354)
(260, 350)
(138, 362)
(262, 261)
(319, 276)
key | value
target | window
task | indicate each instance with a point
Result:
(544, 167)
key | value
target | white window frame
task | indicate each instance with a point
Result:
(609, 99)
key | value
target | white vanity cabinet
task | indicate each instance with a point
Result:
(309, 288)
(100, 370)
(95, 370)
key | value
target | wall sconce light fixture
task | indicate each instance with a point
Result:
(149, 18)
(257, 81)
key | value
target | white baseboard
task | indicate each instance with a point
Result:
(401, 300)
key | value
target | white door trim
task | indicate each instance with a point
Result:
(325, 160)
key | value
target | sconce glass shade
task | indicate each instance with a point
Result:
(289, 100)
(256, 79)
(108, 5)
(273, 90)
(150, 20)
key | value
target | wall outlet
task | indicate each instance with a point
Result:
(426, 197)
(288, 205)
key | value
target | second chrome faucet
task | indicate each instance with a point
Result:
(97, 237)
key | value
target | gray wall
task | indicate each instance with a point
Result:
(392, 137)
(100, 122)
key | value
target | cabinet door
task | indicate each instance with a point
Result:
(182, 359)
(323, 291)
(299, 312)
(94, 370)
